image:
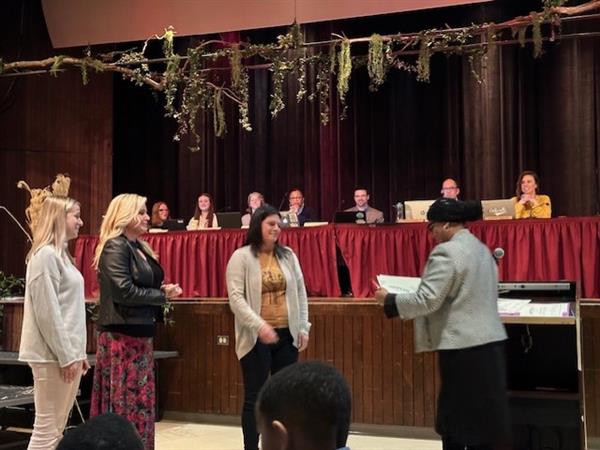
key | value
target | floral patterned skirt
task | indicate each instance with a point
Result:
(124, 381)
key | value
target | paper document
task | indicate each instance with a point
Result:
(512, 306)
(526, 308)
(398, 285)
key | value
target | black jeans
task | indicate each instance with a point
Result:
(262, 360)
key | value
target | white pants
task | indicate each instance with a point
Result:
(53, 401)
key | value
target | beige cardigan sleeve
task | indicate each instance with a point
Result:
(235, 275)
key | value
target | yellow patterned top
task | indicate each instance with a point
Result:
(274, 306)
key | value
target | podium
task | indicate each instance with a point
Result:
(544, 370)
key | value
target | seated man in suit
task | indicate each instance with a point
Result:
(361, 200)
(304, 213)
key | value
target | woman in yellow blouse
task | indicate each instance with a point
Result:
(528, 203)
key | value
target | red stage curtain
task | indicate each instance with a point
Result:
(535, 250)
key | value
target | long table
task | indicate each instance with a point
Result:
(536, 250)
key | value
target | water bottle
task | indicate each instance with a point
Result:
(399, 207)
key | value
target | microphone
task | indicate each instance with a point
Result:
(285, 195)
(17, 222)
(498, 254)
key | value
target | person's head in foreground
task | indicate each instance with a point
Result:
(447, 216)
(105, 432)
(305, 406)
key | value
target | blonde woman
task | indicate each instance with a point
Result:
(255, 201)
(132, 294)
(53, 337)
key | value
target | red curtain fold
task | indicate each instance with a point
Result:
(535, 250)
(370, 251)
(315, 248)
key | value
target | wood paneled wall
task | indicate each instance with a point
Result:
(590, 358)
(47, 126)
(390, 384)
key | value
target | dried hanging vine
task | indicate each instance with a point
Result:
(189, 83)
(344, 72)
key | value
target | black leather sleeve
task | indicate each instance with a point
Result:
(115, 267)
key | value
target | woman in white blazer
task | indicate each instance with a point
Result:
(268, 298)
(53, 337)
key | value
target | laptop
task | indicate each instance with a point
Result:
(350, 217)
(289, 219)
(498, 209)
(229, 219)
(417, 209)
(174, 224)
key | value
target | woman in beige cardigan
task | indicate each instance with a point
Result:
(268, 298)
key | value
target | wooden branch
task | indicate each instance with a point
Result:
(572, 10)
(227, 92)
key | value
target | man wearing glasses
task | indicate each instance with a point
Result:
(450, 189)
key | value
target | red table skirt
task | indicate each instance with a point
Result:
(197, 259)
(535, 250)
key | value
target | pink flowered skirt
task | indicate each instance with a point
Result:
(124, 381)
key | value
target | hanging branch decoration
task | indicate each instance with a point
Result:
(344, 72)
(171, 74)
(536, 35)
(239, 85)
(55, 68)
(191, 86)
(219, 114)
(377, 62)
(424, 57)
(193, 97)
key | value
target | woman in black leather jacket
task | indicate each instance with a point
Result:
(132, 294)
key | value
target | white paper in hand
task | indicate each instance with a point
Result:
(399, 285)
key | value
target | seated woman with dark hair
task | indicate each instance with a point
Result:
(160, 214)
(528, 203)
(205, 216)
(255, 201)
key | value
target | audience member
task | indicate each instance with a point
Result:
(53, 336)
(450, 189)
(361, 200)
(255, 201)
(132, 295)
(104, 432)
(268, 299)
(305, 406)
(160, 214)
(297, 206)
(204, 216)
(528, 203)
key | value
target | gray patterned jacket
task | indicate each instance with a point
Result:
(456, 304)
